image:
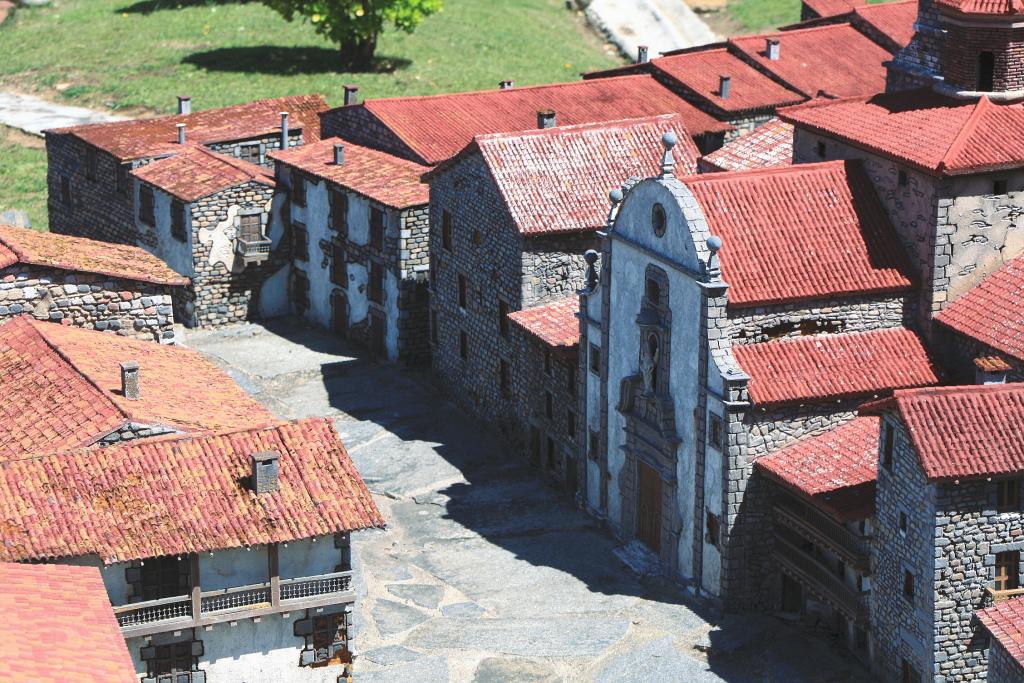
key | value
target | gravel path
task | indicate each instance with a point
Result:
(34, 115)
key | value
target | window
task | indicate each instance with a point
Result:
(65, 191)
(160, 577)
(326, 638)
(570, 424)
(178, 221)
(653, 292)
(90, 164)
(821, 150)
(903, 523)
(121, 178)
(376, 229)
(716, 433)
(653, 357)
(300, 242)
(570, 378)
(300, 290)
(250, 153)
(462, 290)
(986, 71)
(908, 674)
(146, 205)
(908, 585)
(547, 361)
(1007, 576)
(901, 178)
(298, 189)
(593, 445)
(476, 238)
(658, 220)
(551, 460)
(502, 318)
(250, 227)
(888, 440)
(595, 359)
(1008, 495)
(171, 663)
(712, 529)
(463, 346)
(1000, 187)
(446, 230)
(376, 283)
(339, 266)
(549, 405)
(339, 212)
(503, 378)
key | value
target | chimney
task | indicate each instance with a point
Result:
(130, 380)
(772, 49)
(641, 54)
(265, 471)
(181, 133)
(505, 85)
(184, 104)
(351, 94)
(284, 130)
(546, 118)
(339, 154)
(724, 86)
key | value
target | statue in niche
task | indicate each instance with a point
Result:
(649, 364)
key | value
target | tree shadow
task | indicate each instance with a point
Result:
(150, 6)
(285, 61)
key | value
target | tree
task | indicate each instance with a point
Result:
(356, 24)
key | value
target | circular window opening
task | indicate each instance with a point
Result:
(658, 219)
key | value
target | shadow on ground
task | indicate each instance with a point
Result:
(150, 6)
(286, 61)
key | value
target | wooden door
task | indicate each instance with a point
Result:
(648, 526)
(339, 314)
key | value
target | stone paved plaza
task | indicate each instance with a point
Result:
(486, 574)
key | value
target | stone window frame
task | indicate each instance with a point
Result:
(462, 291)
(908, 587)
(151, 656)
(300, 241)
(888, 447)
(570, 423)
(248, 147)
(716, 431)
(375, 284)
(463, 345)
(986, 71)
(339, 265)
(338, 206)
(178, 220)
(1013, 577)
(121, 175)
(997, 548)
(91, 164)
(297, 191)
(594, 358)
(65, 190)
(378, 228)
(902, 521)
(300, 284)
(659, 220)
(147, 205)
(1014, 507)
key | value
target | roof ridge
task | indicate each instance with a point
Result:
(964, 389)
(807, 29)
(792, 169)
(960, 139)
(834, 335)
(250, 169)
(616, 124)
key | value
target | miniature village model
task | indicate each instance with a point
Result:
(755, 307)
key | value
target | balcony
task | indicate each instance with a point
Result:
(820, 580)
(996, 596)
(822, 530)
(212, 607)
(253, 251)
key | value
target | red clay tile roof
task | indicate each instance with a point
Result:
(197, 172)
(993, 311)
(181, 494)
(62, 388)
(437, 127)
(50, 604)
(991, 363)
(699, 72)
(767, 146)
(1005, 7)
(1005, 621)
(382, 177)
(835, 366)
(830, 8)
(554, 324)
(922, 129)
(141, 138)
(828, 467)
(894, 20)
(21, 245)
(835, 59)
(557, 180)
(964, 432)
(800, 233)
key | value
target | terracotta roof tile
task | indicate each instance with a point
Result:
(197, 172)
(78, 254)
(437, 127)
(699, 72)
(830, 8)
(835, 366)
(828, 467)
(963, 432)
(1005, 621)
(922, 129)
(141, 138)
(554, 324)
(47, 605)
(557, 180)
(178, 495)
(821, 227)
(63, 388)
(382, 177)
(991, 363)
(767, 146)
(894, 20)
(1006, 7)
(993, 311)
(835, 59)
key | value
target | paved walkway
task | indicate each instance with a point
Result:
(485, 574)
(662, 25)
(34, 115)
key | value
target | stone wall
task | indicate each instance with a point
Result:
(964, 43)
(98, 302)
(553, 266)
(267, 143)
(1002, 668)
(903, 627)
(132, 431)
(414, 295)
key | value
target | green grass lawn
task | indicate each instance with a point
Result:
(766, 15)
(23, 176)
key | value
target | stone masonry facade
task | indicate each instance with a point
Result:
(99, 302)
(1002, 668)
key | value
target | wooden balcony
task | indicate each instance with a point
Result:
(211, 607)
(820, 580)
(824, 531)
(996, 596)
(255, 251)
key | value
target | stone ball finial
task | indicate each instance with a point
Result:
(669, 139)
(714, 243)
(615, 195)
(590, 256)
